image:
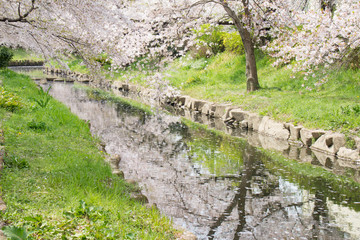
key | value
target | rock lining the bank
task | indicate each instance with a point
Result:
(326, 142)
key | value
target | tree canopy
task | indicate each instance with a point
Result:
(125, 30)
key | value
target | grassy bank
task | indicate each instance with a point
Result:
(55, 182)
(21, 55)
(298, 98)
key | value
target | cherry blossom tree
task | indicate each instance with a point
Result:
(87, 27)
(126, 30)
(318, 37)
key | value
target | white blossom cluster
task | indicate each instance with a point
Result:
(317, 36)
(128, 29)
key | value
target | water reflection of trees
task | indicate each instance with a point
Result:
(314, 226)
(215, 182)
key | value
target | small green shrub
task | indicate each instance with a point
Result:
(233, 43)
(5, 57)
(9, 101)
(217, 39)
(103, 60)
(212, 37)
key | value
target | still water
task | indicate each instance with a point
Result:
(214, 185)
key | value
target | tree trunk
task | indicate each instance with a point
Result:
(251, 70)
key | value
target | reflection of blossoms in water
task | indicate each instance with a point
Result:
(161, 90)
(167, 159)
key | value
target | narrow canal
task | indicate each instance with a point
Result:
(214, 185)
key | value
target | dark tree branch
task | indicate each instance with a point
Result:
(20, 18)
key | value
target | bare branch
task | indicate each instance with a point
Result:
(20, 18)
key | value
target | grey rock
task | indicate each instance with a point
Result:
(294, 132)
(254, 121)
(294, 152)
(115, 159)
(227, 112)
(50, 78)
(270, 143)
(253, 139)
(138, 196)
(219, 124)
(125, 87)
(325, 159)
(306, 137)
(317, 133)
(239, 114)
(305, 155)
(208, 108)
(220, 110)
(198, 104)
(329, 143)
(116, 85)
(244, 124)
(273, 128)
(357, 142)
(348, 154)
(133, 89)
(181, 100)
(188, 102)
(118, 173)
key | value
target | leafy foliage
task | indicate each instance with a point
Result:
(16, 233)
(233, 43)
(44, 98)
(218, 40)
(5, 56)
(211, 36)
(9, 101)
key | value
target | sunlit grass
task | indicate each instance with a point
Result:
(22, 54)
(283, 95)
(53, 164)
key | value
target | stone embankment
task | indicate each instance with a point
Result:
(327, 142)
(26, 63)
(65, 75)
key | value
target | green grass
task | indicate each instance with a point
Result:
(55, 181)
(334, 105)
(22, 54)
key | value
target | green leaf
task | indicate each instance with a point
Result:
(16, 233)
